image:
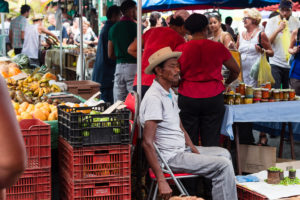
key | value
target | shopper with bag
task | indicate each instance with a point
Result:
(295, 61)
(252, 43)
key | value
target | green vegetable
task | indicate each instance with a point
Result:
(116, 130)
(292, 170)
(288, 181)
(22, 60)
(86, 133)
(274, 169)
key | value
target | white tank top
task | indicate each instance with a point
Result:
(31, 41)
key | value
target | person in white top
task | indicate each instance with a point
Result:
(248, 41)
(278, 30)
(32, 40)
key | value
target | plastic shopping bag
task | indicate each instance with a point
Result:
(255, 69)
(264, 73)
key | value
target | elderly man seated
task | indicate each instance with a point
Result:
(159, 115)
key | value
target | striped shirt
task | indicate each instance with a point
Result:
(17, 26)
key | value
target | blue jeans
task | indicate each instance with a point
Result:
(123, 82)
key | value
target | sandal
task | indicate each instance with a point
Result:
(263, 140)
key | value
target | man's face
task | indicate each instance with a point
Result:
(285, 13)
(134, 13)
(171, 71)
(51, 20)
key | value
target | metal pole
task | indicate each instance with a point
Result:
(139, 91)
(60, 46)
(100, 14)
(3, 33)
(81, 42)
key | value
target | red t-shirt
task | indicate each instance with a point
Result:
(155, 39)
(201, 64)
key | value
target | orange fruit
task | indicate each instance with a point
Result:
(26, 115)
(30, 108)
(24, 105)
(19, 118)
(52, 116)
(38, 105)
(76, 105)
(38, 114)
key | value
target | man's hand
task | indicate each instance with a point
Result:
(165, 192)
(296, 50)
(281, 26)
(194, 149)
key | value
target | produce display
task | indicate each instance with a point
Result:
(9, 69)
(276, 176)
(42, 110)
(32, 88)
(247, 95)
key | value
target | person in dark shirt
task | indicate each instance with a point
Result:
(228, 22)
(104, 68)
(52, 21)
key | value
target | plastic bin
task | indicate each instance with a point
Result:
(85, 89)
(81, 129)
(246, 194)
(100, 189)
(33, 184)
(94, 162)
(37, 139)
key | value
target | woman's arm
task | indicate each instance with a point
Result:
(233, 68)
(266, 45)
(228, 41)
(294, 49)
(12, 149)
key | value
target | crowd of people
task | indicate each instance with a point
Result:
(28, 35)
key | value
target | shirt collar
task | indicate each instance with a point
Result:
(162, 90)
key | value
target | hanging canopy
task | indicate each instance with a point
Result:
(4, 7)
(296, 7)
(150, 5)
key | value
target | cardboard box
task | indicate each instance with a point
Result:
(256, 158)
(287, 164)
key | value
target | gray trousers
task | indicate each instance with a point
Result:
(213, 163)
(123, 82)
(295, 84)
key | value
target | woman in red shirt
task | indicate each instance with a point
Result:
(155, 39)
(201, 88)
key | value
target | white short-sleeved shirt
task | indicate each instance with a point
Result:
(160, 105)
(279, 58)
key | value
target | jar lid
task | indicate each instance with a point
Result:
(265, 89)
(275, 91)
(257, 89)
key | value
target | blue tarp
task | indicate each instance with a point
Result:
(149, 5)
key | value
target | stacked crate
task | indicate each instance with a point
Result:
(35, 182)
(94, 154)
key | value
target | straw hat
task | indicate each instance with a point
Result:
(37, 16)
(159, 57)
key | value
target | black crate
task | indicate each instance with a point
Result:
(81, 129)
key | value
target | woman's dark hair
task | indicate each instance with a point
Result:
(113, 11)
(215, 15)
(196, 23)
(153, 18)
(178, 21)
(127, 5)
(24, 9)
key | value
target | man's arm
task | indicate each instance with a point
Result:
(46, 31)
(148, 138)
(278, 30)
(110, 50)
(22, 35)
(188, 140)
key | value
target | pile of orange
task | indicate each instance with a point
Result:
(42, 111)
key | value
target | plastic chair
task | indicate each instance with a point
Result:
(169, 175)
(132, 103)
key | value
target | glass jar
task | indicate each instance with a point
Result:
(286, 94)
(237, 89)
(248, 100)
(257, 93)
(276, 94)
(249, 92)
(238, 99)
(242, 88)
(292, 94)
(268, 85)
(256, 100)
(265, 93)
(281, 95)
(230, 99)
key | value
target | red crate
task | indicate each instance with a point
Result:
(32, 185)
(246, 194)
(96, 189)
(94, 162)
(37, 138)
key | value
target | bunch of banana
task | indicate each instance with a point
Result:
(55, 88)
